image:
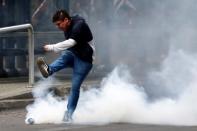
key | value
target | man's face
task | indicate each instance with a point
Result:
(63, 24)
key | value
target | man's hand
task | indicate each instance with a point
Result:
(48, 47)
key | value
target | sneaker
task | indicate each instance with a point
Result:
(67, 118)
(43, 67)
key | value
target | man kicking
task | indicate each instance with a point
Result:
(77, 53)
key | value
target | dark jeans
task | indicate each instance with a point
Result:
(80, 71)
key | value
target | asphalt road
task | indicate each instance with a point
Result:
(13, 120)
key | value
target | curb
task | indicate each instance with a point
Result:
(23, 98)
(21, 95)
(14, 103)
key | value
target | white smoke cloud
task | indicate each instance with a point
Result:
(176, 73)
(119, 99)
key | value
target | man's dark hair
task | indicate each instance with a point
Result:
(60, 15)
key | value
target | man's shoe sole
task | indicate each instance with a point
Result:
(41, 63)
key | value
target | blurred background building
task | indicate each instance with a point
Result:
(137, 33)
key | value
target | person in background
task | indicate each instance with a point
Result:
(123, 11)
(77, 53)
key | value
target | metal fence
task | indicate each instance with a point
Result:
(30, 47)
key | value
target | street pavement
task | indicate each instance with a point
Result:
(14, 120)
